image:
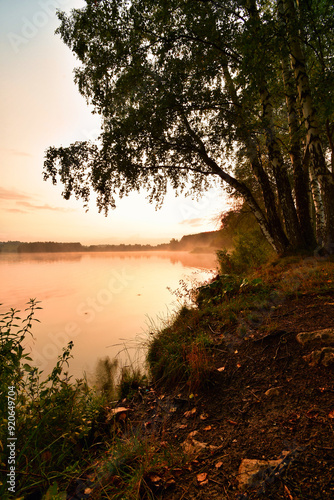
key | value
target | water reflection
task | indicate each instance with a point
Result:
(187, 259)
(101, 301)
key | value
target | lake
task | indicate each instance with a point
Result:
(107, 303)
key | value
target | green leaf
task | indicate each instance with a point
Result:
(53, 494)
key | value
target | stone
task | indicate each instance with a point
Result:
(250, 469)
(328, 358)
(325, 335)
(325, 356)
(193, 447)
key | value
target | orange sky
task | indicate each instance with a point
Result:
(40, 107)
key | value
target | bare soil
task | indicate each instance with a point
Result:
(232, 418)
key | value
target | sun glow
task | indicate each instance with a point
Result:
(44, 108)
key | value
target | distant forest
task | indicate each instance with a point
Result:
(201, 242)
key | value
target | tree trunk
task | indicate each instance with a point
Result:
(314, 143)
(319, 208)
(274, 223)
(270, 232)
(267, 229)
(300, 172)
(280, 174)
(284, 191)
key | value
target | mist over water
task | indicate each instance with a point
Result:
(104, 302)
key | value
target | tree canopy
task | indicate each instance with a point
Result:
(189, 91)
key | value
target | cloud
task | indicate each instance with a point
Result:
(27, 204)
(15, 210)
(199, 221)
(16, 152)
(12, 194)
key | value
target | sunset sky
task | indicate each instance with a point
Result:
(40, 107)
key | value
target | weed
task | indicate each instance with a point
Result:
(179, 354)
(134, 467)
(105, 374)
(131, 380)
(52, 417)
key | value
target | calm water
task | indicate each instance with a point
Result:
(101, 301)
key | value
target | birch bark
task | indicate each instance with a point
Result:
(314, 143)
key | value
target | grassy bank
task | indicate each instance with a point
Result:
(231, 306)
(128, 438)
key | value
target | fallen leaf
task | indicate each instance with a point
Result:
(190, 413)
(202, 477)
(331, 414)
(208, 428)
(221, 369)
(204, 416)
(119, 411)
(287, 491)
(192, 447)
(46, 456)
(177, 471)
(218, 465)
(154, 478)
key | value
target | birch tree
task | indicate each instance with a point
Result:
(192, 91)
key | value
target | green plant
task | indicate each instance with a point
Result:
(12, 335)
(250, 250)
(131, 380)
(52, 416)
(136, 467)
(227, 286)
(105, 375)
(179, 353)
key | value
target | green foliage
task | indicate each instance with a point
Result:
(52, 416)
(250, 247)
(226, 287)
(131, 380)
(250, 250)
(180, 353)
(105, 375)
(53, 494)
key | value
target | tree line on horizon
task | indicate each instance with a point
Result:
(207, 240)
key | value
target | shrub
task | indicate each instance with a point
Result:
(131, 380)
(52, 417)
(251, 250)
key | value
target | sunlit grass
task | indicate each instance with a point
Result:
(180, 353)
